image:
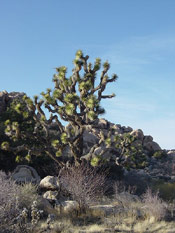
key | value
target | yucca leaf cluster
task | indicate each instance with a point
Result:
(75, 99)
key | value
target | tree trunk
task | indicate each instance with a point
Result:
(77, 148)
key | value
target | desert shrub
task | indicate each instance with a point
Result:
(166, 190)
(83, 183)
(129, 205)
(9, 208)
(18, 206)
(17, 120)
(159, 154)
(153, 205)
(125, 195)
(150, 205)
(27, 195)
(7, 156)
(28, 220)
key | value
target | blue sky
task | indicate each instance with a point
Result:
(137, 37)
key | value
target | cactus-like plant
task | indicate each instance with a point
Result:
(75, 100)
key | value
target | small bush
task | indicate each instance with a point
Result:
(153, 205)
(83, 183)
(27, 195)
(15, 203)
(159, 154)
(9, 208)
(166, 190)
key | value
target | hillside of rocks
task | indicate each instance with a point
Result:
(160, 163)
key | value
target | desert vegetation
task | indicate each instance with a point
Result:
(23, 211)
(76, 100)
(86, 185)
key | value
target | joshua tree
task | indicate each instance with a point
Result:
(75, 100)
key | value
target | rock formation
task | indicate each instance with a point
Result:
(6, 98)
(3, 101)
(49, 183)
(146, 141)
(91, 136)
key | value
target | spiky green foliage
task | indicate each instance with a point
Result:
(75, 99)
(131, 156)
(18, 136)
(122, 146)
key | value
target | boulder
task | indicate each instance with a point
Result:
(49, 183)
(67, 207)
(24, 173)
(51, 195)
(151, 146)
(127, 129)
(137, 143)
(117, 128)
(138, 133)
(102, 123)
(105, 210)
(89, 137)
(44, 204)
(129, 197)
(147, 139)
(136, 178)
(171, 153)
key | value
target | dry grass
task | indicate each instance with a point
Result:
(132, 214)
(149, 225)
(9, 208)
(27, 194)
(17, 210)
(124, 225)
(154, 206)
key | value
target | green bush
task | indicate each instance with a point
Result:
(166, 190)
(13, 118)
(159, 154)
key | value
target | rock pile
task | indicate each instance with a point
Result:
(51, 191)
(145, 141)
(50, 188)
(159, 170)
